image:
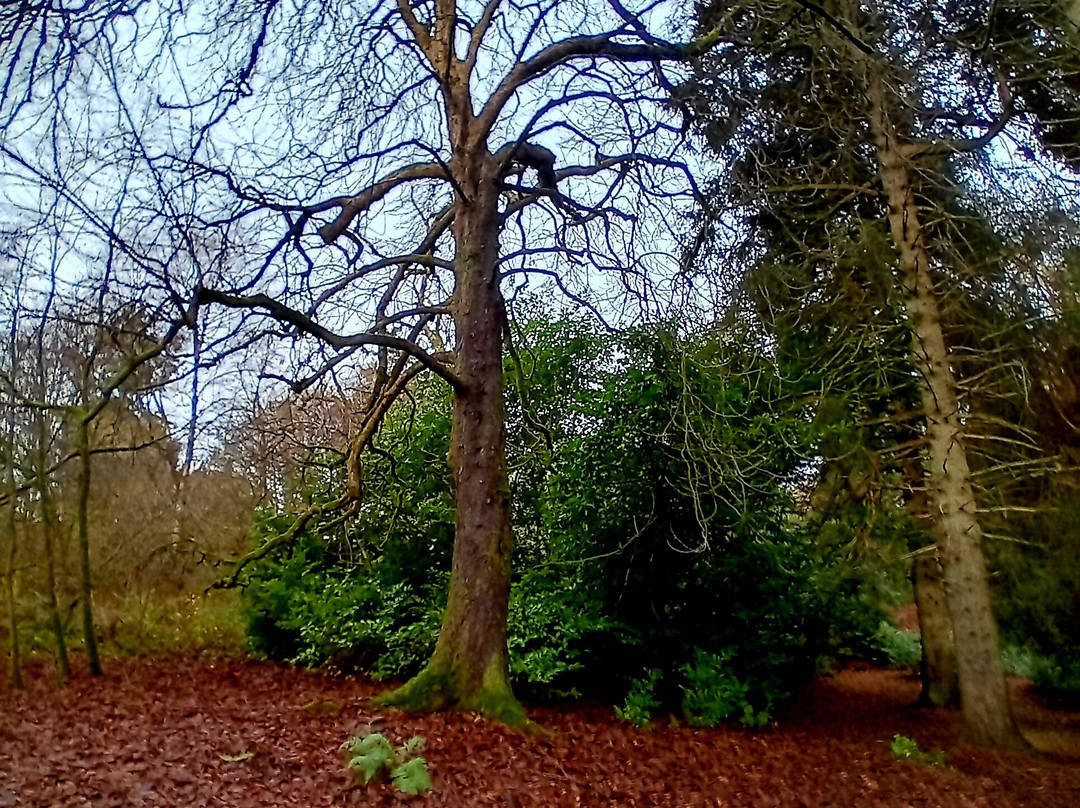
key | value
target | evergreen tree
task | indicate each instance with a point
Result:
(843, 124)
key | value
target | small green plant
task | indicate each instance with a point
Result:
(754, 719)
(903, 648)
(1019, 661)
(713, 693)
(906, 748)
(641, 701)
(371, 757)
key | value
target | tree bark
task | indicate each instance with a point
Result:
(984, 696)
(470, 667)
(48, 522)
(14, 649)
(938, 670)
(93, 657)
(940, 687)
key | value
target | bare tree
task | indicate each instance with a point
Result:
(475, 146)
(11, 550)
(9, 460)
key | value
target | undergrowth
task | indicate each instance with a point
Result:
(907, 748)
(194, 625)
(902, 649)
(205, 625)
(371, 757)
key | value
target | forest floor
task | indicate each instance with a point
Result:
(191, 733)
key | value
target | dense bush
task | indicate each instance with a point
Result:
(902, 649)
(655, 539)
(1037, 589)
(677, 493)
(315, 611)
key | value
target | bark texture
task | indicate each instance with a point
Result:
(940, 687)
(983, 694)
(93, 657)
(14, 649)
(470, 667)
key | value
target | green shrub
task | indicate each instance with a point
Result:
(304, 607)
(1055, 676)
(554, 633)
(351, 621)
(348, 619)
(645, 538)
(1059, 678)
(1019, 661)
(641, 702)
(713, 694)
(903, 649)
(907, 749)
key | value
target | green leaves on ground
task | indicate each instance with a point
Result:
(412, 777)
(906, 748)
(372, 757)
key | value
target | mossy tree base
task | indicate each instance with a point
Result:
(436, 689)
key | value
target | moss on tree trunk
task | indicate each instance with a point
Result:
(469, 669)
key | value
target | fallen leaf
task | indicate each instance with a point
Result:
(240, 758)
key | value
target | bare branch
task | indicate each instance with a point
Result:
(305, 324)
(597, 46)
(478, 34)
(352, 206)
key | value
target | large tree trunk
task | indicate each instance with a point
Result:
(984, 696)
(93, 658)
(940, 687)
(469, 669)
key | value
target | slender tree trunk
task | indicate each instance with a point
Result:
(14, 650)
(48, 523)
(93, 658)
(983, 693)
(938, 670)
(469, 669)
(940, 687)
